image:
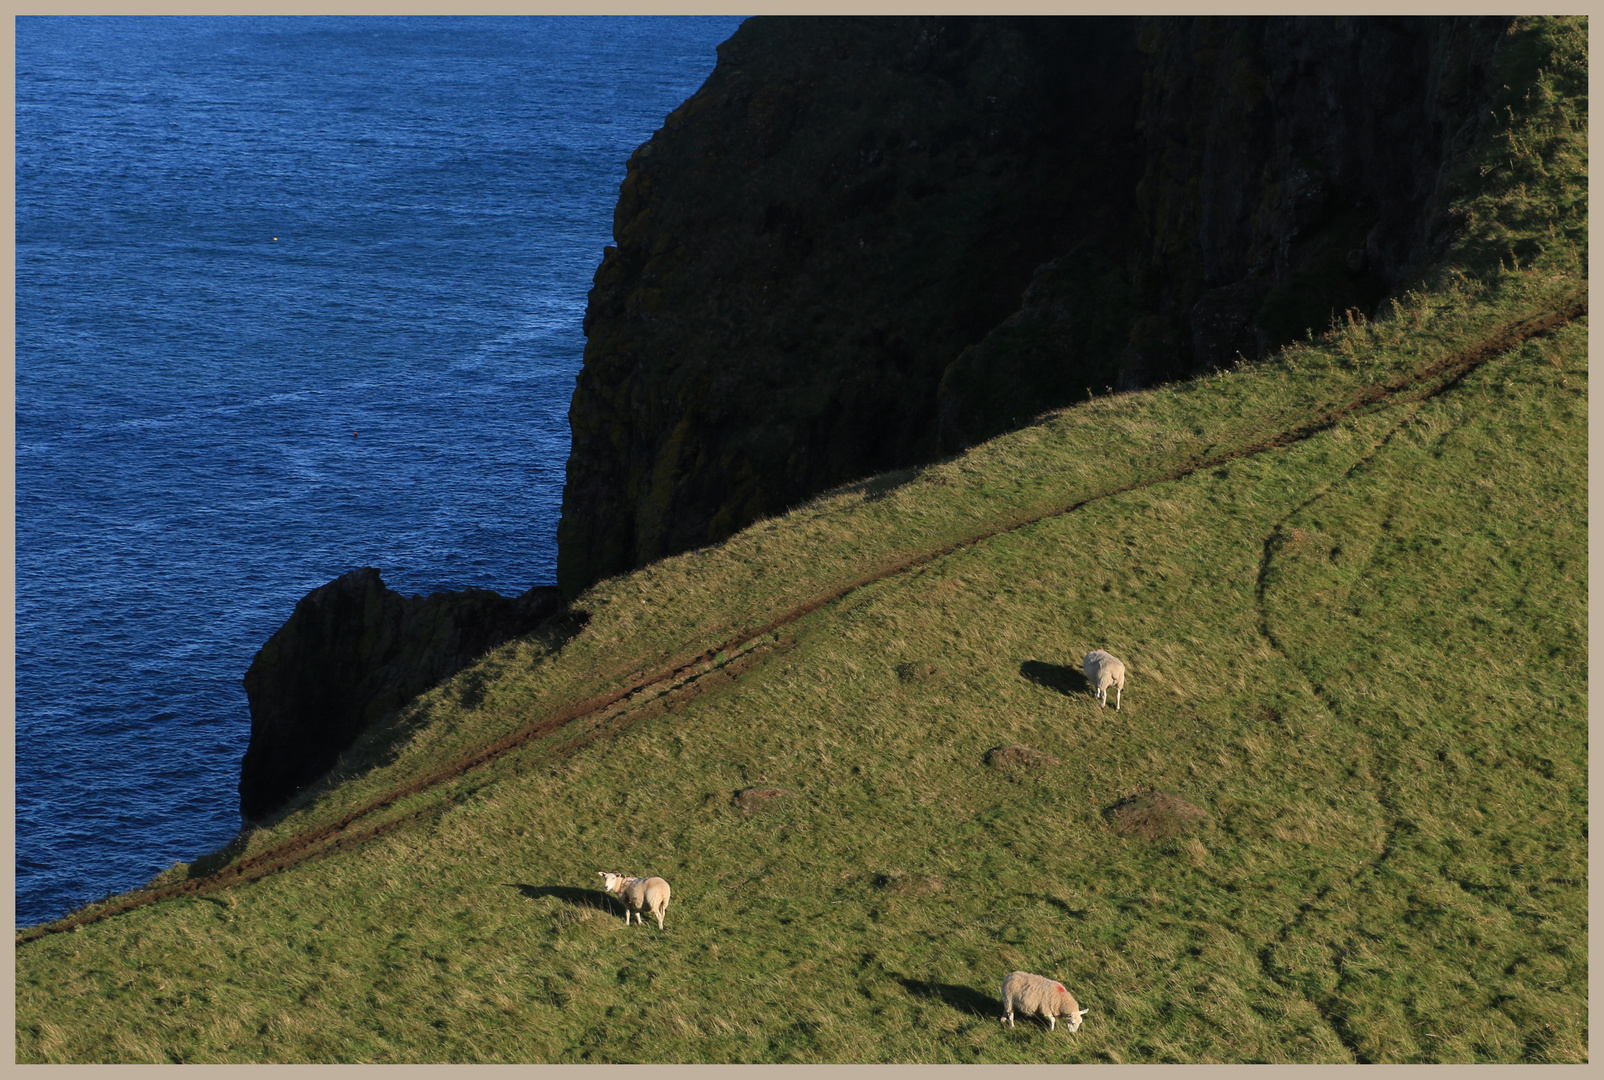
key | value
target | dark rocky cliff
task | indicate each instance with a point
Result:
(806, 245)
(352, 651)
(867, 242)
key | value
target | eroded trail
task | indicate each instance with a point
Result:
(1368, 527)
(607, 714)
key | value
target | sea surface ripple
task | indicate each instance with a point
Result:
(294, 296)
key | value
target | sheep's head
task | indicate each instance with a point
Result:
(611, 882)
(1072, 1019)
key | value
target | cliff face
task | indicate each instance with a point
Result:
(865, 242)
(807, 244)
(1292, 169)
(352, 651)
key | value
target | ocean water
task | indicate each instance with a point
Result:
(294, 296)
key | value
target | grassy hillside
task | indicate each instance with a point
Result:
(1350, 586)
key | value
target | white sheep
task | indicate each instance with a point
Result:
(1102, 671)
(1037, 995)
(639, 894)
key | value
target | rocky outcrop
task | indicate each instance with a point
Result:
(866, 242)
(353, 651)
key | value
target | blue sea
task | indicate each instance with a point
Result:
(294, 296)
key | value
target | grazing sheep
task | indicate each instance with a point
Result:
(639, 894)
(1102, 671)
(1037, 995)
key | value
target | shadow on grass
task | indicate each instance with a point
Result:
(568, 894)
(1072, 912)
(1068, 681)
(873, 488)
(963, 998)
(210, 864)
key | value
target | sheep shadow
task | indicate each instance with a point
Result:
(1072, 912)
(1069, 681)
(574, 897)
(963, 998)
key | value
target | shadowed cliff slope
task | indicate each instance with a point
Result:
(868, 242)
(352, 651)
(805, 246)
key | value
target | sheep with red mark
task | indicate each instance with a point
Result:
(1037, 995)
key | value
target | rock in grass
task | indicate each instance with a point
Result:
(1018, 757)
(753, 799)
(1154, 815)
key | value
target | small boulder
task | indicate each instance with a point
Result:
(917, 671)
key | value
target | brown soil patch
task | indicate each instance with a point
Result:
(910, 884)
(753, 799)
(1154, 815)
(1018, 757)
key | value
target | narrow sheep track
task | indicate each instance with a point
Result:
(1337, 1023)
(351, 830)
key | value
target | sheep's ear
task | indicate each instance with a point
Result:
(1083, 1012)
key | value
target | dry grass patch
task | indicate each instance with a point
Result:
(1019, 757)
(902, 884)
(753, 799)
(1155, 815)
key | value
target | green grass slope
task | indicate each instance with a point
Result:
(1350, 586)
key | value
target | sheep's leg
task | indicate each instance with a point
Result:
(1052, 1023)
(1118, 690)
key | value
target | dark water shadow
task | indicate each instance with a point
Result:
(568, 894)
(965, 999)
(1068, 681)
